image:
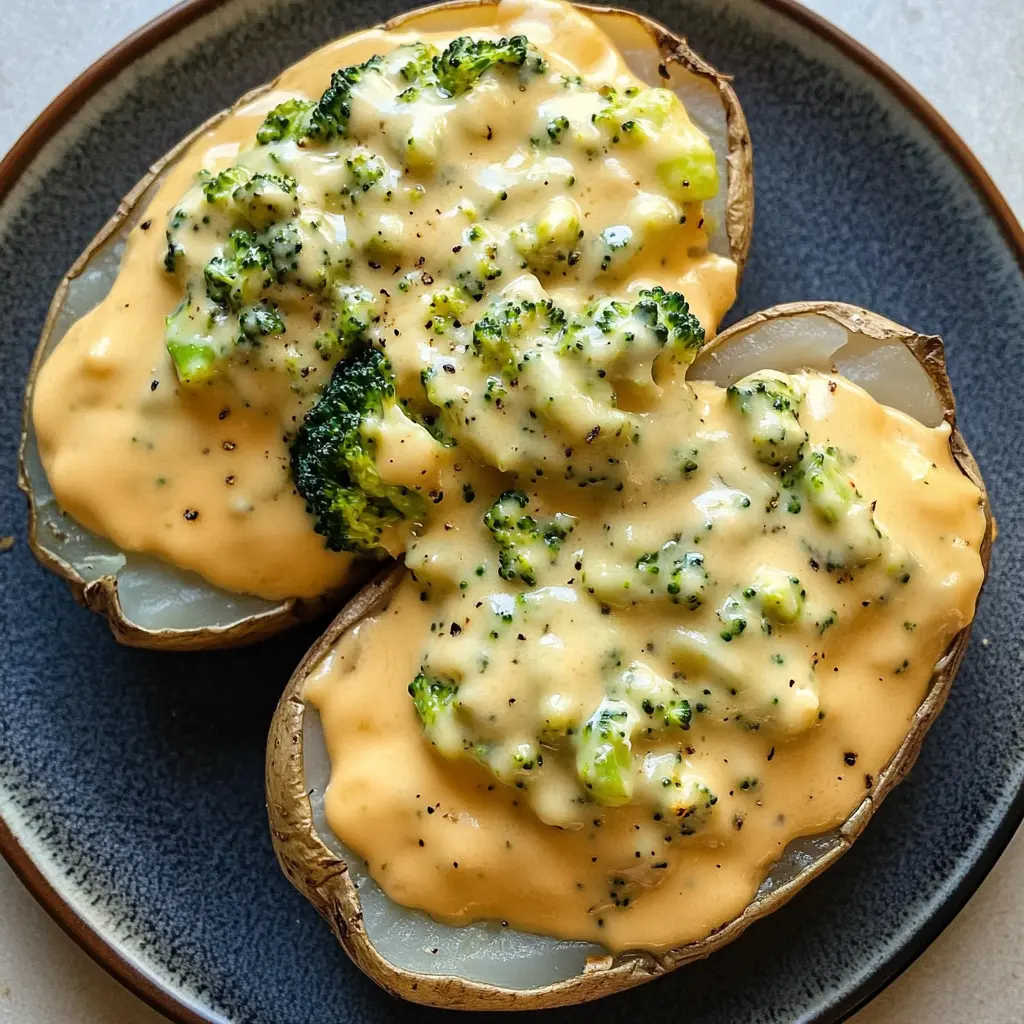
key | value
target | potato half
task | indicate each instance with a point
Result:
(480, 967)
(149, 603)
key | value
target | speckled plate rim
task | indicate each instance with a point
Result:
(72, 99)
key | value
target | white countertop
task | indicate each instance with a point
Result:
(964, 56)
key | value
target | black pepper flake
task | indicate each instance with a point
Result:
(153, 385)
(224, 413)
(191, 514)
(663, 71)
(146, 225)
(228, 446)
(229, 480)
(771, 753)
(455, 630)
(869, 781)
(373, 264)
(421, 843)
(850, 758)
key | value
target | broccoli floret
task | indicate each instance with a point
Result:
(264, 198)
(218, 188)
(288, 120)
(604, 753)
(415, 63)
(657, 117)
(826, 485)
(260, 321)
(682, 571)
(238, 275)
(778, 593)
(333, 464)
(656, 697)
(733, 617)
(365, 169)
(465, 60)
(433, 698)
(192, 352)
(668, 316)
(495, 334)
(553, 235)
(355, 309)
(770, 405)
(523, 541)
(329, 118)
(676, 792)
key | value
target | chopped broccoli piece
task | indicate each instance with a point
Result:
(770, 403)
(686, 161)
(260, 321)
(523, 541)
(604, 753)
(355, 309)
(677, 792)
(495, 333)
(552, 235)
(733, 617)
(219, 188)
(329, 117)
(333, 463)
(288, 120)
(365, 168)
(668, 316)
(192, 352)
(238, 275)
(465, 60)
(656, 698)
(826, 485)
(682, 571)
(264, 198)
(432, 697)
(778, 593)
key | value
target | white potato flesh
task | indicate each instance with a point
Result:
(515, 960)
(886, 369)
(156, 595)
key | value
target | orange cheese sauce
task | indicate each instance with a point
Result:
(199, 476)
(789, 726)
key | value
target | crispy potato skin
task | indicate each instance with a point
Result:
(323, 877)
(101, 595)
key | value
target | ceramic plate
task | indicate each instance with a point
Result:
(131, 783)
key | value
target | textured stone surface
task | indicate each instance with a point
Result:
(974, 970)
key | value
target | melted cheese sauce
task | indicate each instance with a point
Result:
(199, 476)
(790, 721)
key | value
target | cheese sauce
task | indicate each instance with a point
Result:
(726, 742)
(197, 472)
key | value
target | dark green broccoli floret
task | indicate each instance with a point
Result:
(464, 60)
(329, 118)
(522, 540)
(240, 273)
(668, 316)
(333, 463)
(288, 120)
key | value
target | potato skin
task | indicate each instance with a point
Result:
(101, 595)
(323, 878)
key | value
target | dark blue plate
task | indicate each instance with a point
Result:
(131, 783)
